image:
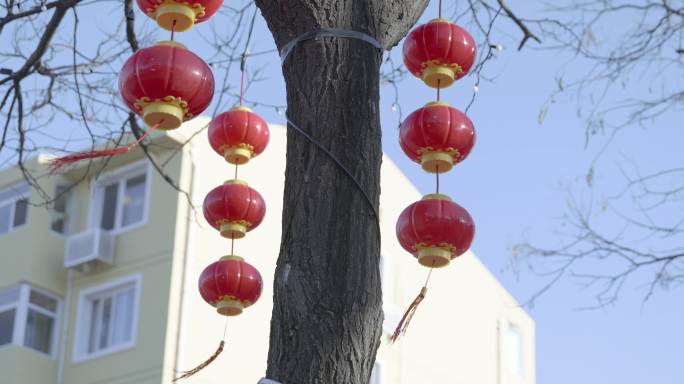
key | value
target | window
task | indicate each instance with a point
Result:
(28, 317)
(61, 210)
(392, 312)
(13, 207)
(376, 374)
(107, 318)
(121, 200)
(512, 359)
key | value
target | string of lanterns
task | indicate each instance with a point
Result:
(167, 84)
(438, 136)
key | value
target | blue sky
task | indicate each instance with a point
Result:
(516, 184)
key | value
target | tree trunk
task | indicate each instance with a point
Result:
(327, 310)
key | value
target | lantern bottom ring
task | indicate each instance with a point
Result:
(233, 230)
(182, 15)
(436, 162)
(164, 116)
(438, 76)
(229, 307)
(434, 257)
(237, 155)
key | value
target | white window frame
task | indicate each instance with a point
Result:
(119, 175)
(21, 307)
(69, 212)
(12, 201)
(83, 317)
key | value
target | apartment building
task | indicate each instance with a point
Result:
(100, 285)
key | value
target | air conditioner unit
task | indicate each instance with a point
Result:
(87, 248)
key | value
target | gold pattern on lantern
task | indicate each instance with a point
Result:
(246, 146)
(144, 101)
(453, 152)
(239, 222)
(246, 303)
(197, 8)
(436, 74)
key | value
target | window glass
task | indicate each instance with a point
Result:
(109, 206)
(60, 214)
(10, 296)
(123, 317)
(43, 301)
(95, 315)
(5, 217)
(20, 211)
(105, 322)
(111, 319)
(6, 326)
(134, 200)
(513, 348)
(39, 328)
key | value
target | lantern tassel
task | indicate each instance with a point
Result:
(408, 315)
(200, 367)
(61, 162)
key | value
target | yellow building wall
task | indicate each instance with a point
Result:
(150, 251)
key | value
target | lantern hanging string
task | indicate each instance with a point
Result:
(208, 361)
(60, 162)
(439, 7)
(173, 29)
(243, 59)
(437, 179)
(411, 310)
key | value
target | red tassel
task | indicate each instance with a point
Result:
(61, 162)
(200, 367)
(408, 315)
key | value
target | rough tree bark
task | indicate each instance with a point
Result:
(327, 312)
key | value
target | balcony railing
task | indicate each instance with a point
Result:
(93, 245)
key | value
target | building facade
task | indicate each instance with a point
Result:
(100, 285)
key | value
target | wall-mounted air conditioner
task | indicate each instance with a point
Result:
(90, 247)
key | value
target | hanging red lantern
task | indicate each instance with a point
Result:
(437, 136)
(166, 84)
(439, 52)
(238, 135)
(179, 15)
(234, 209)
(435, 230)
(230, 285)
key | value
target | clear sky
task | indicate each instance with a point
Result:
(516, 185)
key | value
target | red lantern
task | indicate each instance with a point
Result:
(437, 136)
(234, 209)
(183, 13)
(238, 135)
(230, 285)
(435, 230)
(166, 84)
(439, 52)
